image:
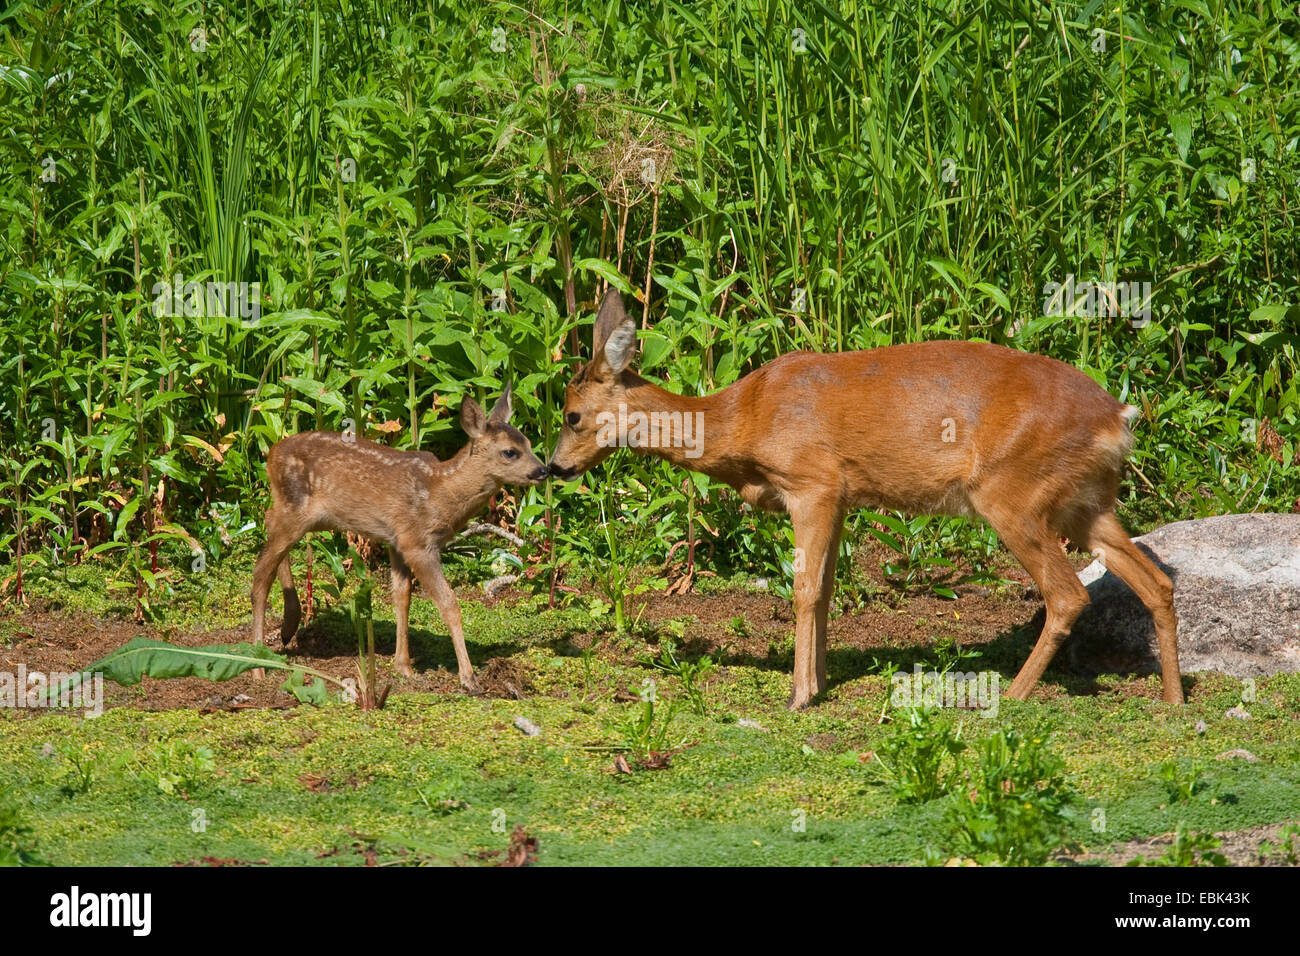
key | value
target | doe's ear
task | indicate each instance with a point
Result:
(503, 409)
(472, 418)
(613, 338)
(610, 317)
(620, 346)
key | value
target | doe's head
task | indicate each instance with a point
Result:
(599, 386)
(506, 455)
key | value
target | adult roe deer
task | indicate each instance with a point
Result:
(1028, 443)
(409, 499)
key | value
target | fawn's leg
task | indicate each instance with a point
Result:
(817, 527)
(401, 578)
(292, 607)
(427, 566)
(1108, 538)
(280, 539)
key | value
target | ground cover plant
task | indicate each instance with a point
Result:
(226, 224)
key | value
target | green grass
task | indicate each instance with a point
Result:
(425, 779)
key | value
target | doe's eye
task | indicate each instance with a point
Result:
(510, 454)
(573, 418)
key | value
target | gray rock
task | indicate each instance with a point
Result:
(1236, 591)
(1245, 755)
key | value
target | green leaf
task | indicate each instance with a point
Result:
(144, 657)
(315, 693)
(606, 270)
(1269, 313)
(1181, 126)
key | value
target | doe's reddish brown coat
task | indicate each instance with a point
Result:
(1031, 445)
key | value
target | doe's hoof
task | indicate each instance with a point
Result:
(798, 701)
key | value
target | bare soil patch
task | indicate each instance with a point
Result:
(736, 627)
(1253, 846)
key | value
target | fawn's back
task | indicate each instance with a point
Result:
(351, 484)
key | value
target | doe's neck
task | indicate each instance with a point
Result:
(693, 432)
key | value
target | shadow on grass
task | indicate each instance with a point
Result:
(1006, 653)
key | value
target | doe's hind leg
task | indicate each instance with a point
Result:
(1119, 554)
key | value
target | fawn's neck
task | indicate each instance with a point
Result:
(462, 486)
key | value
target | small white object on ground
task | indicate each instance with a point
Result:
(527, 726)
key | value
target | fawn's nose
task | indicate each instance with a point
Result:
(539, 474)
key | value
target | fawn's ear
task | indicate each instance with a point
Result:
(613, 338)
(503, 409)
(472, 418)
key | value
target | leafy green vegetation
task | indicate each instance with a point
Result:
(222, 225)
(688, 673)
(1180, 782)
(1187, 849)
(1016, 810)
(428, 193)
(17, 841)
(919, 760)
(142, 657)
(1285, 848)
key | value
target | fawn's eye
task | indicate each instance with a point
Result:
(510, 454)
(573, 418)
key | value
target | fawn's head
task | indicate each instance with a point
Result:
(599, 386)
(501, 449)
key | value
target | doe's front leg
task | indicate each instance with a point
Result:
(817, 528)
